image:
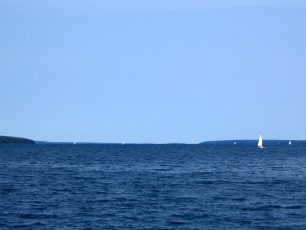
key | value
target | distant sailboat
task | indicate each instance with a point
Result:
(289, 143)
(74, 143)
(235, 143)
(260, 142)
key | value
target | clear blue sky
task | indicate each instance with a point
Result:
(153, 71)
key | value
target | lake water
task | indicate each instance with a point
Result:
(152, 187)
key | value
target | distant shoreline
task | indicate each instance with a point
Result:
(238, 142)
(254, 142)
(209, 143)
(15, 140)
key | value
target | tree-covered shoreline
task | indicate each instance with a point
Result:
(15, 140)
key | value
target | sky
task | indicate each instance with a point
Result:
(153, 71)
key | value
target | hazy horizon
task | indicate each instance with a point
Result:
(153, 71)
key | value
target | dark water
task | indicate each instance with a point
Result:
(152, 187)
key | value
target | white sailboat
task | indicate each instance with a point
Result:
(260, 142)
(289, 143)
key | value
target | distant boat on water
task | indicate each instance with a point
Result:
(260, 142)
(235, 143)
(289, 143)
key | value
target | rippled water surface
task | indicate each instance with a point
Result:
(152, 187)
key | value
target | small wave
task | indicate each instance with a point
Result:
(204, 182)
(7, 190)
(190, 216)
(176, 222)
(293, 207)
(273, 182)
(34, 216)
(219, 198)
(31, 226)
(207, 182)
(269, 207)
(262, 208)
(240, 199)
(61, 190)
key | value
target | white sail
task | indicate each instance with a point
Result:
(289, 143)
(260, 142)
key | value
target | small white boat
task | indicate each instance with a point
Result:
(235, 143)
(289, 143)
(260, 142)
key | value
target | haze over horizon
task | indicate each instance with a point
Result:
(153, 71)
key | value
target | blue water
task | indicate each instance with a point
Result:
(152, 187)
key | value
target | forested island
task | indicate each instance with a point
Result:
(15, 140)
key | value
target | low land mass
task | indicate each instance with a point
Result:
(254, 142)
(15, 140)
